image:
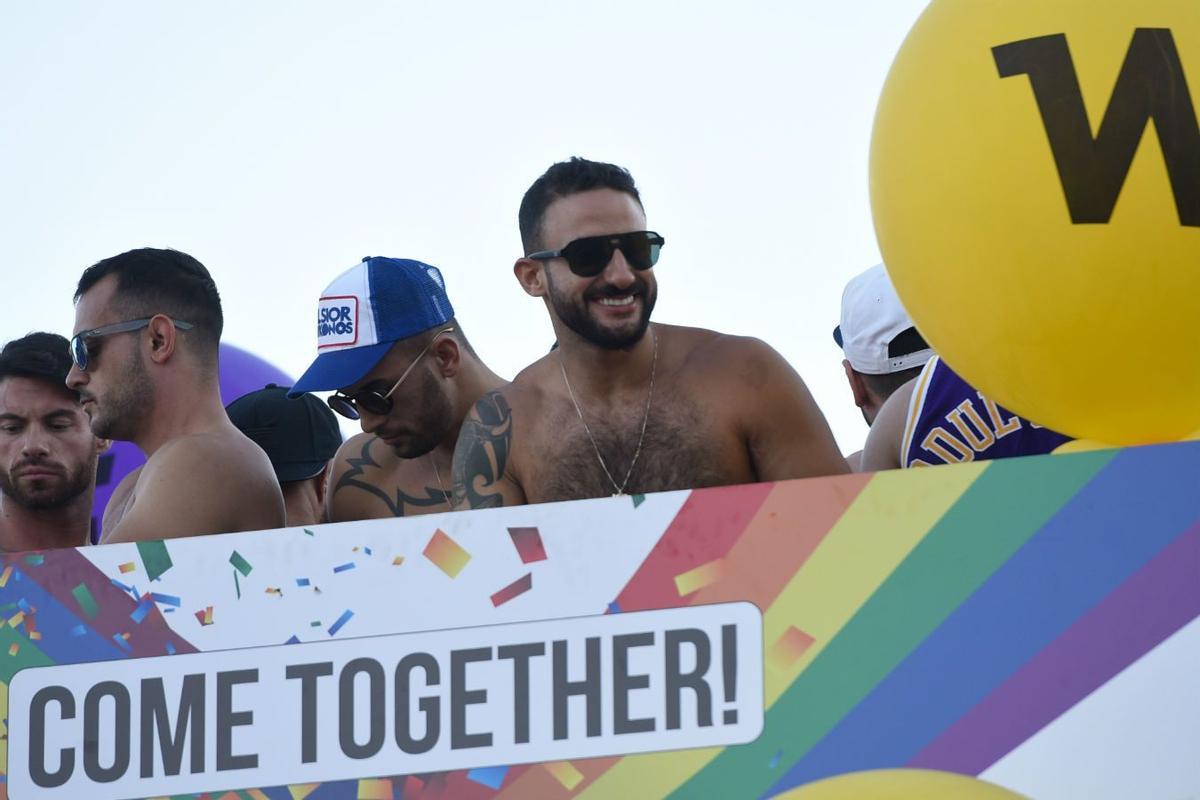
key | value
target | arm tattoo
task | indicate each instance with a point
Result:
(482, 453)
(357, 466)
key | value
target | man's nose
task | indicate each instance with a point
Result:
(369, 422)
(36, 442)
(76, 378)
(618, 273)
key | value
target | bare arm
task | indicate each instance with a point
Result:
(787, 434)
(365, 483)
(481, 468)
(200, 488)
(882, 450)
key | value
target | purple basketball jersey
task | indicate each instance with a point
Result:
(949, 423)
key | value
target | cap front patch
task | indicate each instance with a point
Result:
(337, 321)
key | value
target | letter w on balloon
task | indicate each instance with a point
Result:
(1150, 86)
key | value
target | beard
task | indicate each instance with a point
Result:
(42, 494)
(575, 314)
(118, 414)
(431, 421)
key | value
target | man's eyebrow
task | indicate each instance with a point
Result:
(60, 412)
(8, 415)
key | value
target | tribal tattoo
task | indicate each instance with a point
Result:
(482, 453)
(357, 467)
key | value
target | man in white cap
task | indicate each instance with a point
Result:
(883, 348)
(388, 342)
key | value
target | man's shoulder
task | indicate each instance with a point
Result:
(225, 457)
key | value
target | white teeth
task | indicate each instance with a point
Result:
(616, 301)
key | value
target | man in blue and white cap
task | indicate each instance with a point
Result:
(388, 342)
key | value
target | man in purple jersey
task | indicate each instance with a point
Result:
(883, 349)
(938, 418)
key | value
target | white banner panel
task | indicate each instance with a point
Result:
(399, 704)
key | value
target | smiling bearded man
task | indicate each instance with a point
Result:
(623, 406)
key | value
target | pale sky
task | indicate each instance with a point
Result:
(280, 143)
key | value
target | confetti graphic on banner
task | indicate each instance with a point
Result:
(87, 603)
(565, 773)
(299, 791)
(344, 567)
(696, 579)
(446, 554)
(518, 587)
(303, 582)
(397, 561)
(342, 620)
(4, 576)
(166, 599)
(205, 616)
(16, 619)
(143, 608)
(155, 558)
(240, 564)
(528, 542)
(638, 499)
(375, 789)
(491, 777)
(35, 559)
(788, 648)
(310, 533)
(237, 585)
(14, 648)
(275, 591)
(79, 630)
(122, 640)
(774, 762)
(127, 567)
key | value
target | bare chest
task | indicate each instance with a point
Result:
(685, 446)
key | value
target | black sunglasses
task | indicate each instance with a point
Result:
(587, 257)
(371, 400)
(81, 351)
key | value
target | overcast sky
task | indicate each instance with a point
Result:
(280, 143)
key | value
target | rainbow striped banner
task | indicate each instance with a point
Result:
(1035, 621)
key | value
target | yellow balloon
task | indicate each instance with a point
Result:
(1081, 446)
(900, 784)
(1041, 230)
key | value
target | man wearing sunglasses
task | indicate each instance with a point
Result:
(622, 406)
(388, 342)
(48, 454)
(147, 331)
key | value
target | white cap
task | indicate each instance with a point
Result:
(872, 318)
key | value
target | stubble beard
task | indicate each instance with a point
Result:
(432, 419)
(119, 417)
(69, 488)
(575, 315)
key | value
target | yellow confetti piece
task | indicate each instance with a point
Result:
(258, 794)
(397, 561)
(696, 579)
(16, 619)
(128, 566)
(274, 590)
(299, 791)
(446, 554)
(4, 576)
(14, 648)
(375, 789)
(788, 648)
(565, 773)
(35, 635)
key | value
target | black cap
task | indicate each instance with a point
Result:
(299, 435)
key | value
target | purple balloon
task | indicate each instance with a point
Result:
(240, 373)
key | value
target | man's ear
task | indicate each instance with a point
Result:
(447, 354)
(862, 395)
(531, 274)
(162, 336)
(102, 445)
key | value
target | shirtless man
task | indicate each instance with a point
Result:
(147, 330)
(47, 451)
(622, 406)
(389, 343)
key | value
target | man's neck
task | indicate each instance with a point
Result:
(474, 380)
(179, 412)
(597, 372)
(25, 529)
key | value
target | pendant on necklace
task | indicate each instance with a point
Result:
(618, 494)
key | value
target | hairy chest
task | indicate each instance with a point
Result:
(685, 446)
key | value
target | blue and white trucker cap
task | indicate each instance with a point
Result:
(367, 309)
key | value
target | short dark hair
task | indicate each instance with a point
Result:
(153, 281)
(562, 180)
(42, 356)
(885, 385)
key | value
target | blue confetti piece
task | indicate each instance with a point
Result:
(121, 586)
(302, 582)
(24, 606)
(142, 610)
(775, 759)
(121, 643)
(367, 550)
(168, 611)
(342, 620)
(294, 640)
(79, 630)
(344, 567)
(170, 649)
(614, 607)
(166, 599)
(491, 777)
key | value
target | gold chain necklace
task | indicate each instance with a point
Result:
(618, 490)
(442, 486)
